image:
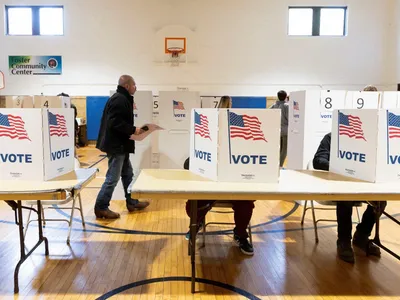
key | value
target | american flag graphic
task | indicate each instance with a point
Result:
(350, 126)
(178, 105)
(393, 126)
(57, 125)
(201, 125)
(13, 127)
(245, 127)
(296, 105)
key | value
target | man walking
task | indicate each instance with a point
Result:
(116, 138)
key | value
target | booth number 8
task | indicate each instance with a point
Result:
(328, 103)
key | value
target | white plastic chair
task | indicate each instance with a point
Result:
(322, 203)
(50, 205)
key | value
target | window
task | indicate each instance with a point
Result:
(317, 21)
(34, 20)
(300, 21)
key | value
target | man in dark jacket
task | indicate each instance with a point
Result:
(115, 138)
(344, 210)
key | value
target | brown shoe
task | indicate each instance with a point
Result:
(106, 214)
(138, 206)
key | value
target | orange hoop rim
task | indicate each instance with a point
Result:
(175, 51)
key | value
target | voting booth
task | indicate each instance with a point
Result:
(141, 159)
(51, 102)
(16, 102)
(366, 144)
(390, 100)
(36, 144)
(235, 145)
(174, 116)
(209, 101)
(310, 119)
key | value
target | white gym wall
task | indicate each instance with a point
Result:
(242, 47)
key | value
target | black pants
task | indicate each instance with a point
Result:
(283, 149)
(243, 210)
(344, 211)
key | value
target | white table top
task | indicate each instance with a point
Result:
(54, 189)
(293, 185)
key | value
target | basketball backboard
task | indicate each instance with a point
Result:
(175, 45)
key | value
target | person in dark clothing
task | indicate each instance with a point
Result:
(344, 210)
(117, 137)
(243, 210)
(284, 107)
(76, 122)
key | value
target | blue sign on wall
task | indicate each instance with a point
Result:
(249, 102)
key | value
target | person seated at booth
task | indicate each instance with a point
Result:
(344, 210)
(243, 210)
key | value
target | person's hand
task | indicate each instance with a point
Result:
(153, 127)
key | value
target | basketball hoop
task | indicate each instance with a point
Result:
(2, 82)
(175, 53)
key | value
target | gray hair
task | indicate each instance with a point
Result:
(370, 88)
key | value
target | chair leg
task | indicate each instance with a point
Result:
(304, 213)
(204, 232)
(81, 210)
(314, 221)
(250, 235)
(358, 215)
(27, 221)
(70, 220)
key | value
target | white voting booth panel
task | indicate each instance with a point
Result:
(363, 100)
(174, 116)
(209, 101)
(51, 102)
(390, 100)
(36, 144)
(235, 145)
(143, 114)
(366, 144)
(16, 102)
(310, 119)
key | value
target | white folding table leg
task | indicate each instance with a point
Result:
(43, 218)
(71, 219)
(81, 209)
(27, 221)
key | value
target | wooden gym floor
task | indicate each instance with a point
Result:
(143, 255)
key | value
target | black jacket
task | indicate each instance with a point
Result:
(321, 157)
(186, 164)
(117, 124)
